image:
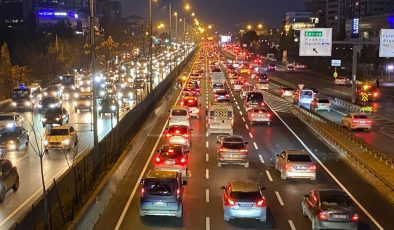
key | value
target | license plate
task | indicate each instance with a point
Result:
(300, 168)
(340, 216)
(245, 205)
(160, 204)
(169, 162)
(362, 122)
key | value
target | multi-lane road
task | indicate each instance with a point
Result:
(203, 196)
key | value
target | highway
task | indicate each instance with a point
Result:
(202, 196)
(55, 163)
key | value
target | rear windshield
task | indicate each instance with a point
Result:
(179, 112)
(245, 195)
(260, 110)
(299, 158)
(6, 118)
(159, 188)
(324, 101)
(191, 103)
(360, 116)
(333, 201)
(233, 145)
(255, 97)
(217, 86)
(287, 89)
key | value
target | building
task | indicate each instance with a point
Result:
(299, 20)
(368, 27)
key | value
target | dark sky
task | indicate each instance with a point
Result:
(224, 14)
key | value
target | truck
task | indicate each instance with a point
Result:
(24, 96)
(217, 76)
(220, 118)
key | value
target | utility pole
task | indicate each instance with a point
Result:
(176, 26)
(170, 21)
(94, 92)
(150, 87)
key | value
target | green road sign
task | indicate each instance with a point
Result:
(335, 74)
(313, 33)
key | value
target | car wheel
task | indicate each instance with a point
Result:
(246, 165)
(16, 185)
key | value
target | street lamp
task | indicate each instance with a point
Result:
(260, 26)
(176, 25)
(187, 6)
(249, 27)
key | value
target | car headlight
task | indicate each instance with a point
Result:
(102, 93)
(45, 94)
(120, 95)
(10, 125)
(113, 108)
(57, 118)
(45, 142)
(11, 142)
(66, 142)
(52, 105)
(99, 107)
(130, 95)
(44, 119)
(13, 104)
(87, 103)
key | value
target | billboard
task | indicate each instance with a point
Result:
(315, 42)
(386, 47)
(225, 39)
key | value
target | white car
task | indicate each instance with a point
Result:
(342, 81)
(259, 114)
(320, 104)
(356, 121)
(238, 85)
(62, 137)
(10, 120)
(295, 164)
(179, 115)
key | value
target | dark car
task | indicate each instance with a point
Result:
(57, 116)
(49, 103)
(253, 99)
(108, 105)
(330, 209)
(13, 139)
(139, 84)
(271, 67)
(162, 194)
(9, 178)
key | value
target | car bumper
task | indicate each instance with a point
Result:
(256, 213)
(187, 123)
(360, 126)
(56, 146)
(292, 174)
(337, 225)
(230, 160)
(178, 141)
(260, 119)
(151, 210)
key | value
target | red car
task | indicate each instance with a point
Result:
(178, 135)
(191, 102)
(172, 158)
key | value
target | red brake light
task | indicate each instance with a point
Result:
(268, 115)
(287, 166)
(355, 217)
(142, 191)
(168, 135)
(186, 135)
(178, 191)
(244, 150)
(322, 216)
(262, 103)
(157, 159)
(260, 202)
(223, 150)
(252, 114)
(375, 94)
(356, 121)
(183, 160)
(229, 202)
(312, 167)
(190, 101)
(369, 121)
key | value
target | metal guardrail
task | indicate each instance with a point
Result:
(348, 105)
(341, 137)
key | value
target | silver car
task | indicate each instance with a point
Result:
(244, 200)
(330, 209)
(259, 114)
(232, 150)
(295, 164)
(162, 194)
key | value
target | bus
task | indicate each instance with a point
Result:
(23, 97)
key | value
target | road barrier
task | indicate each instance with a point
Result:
(375, 161)
(348, 105)
(69, 193)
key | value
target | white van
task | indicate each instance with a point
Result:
(220, 118)
(179, 115)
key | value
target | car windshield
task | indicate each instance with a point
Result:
(179, 112)
(245, 195)
(159, 188)
(6, 118)
(9, 132)
(260, 110)
(360, 116)
(299, 158)
(47, 100)
(217, 86)
(171, 152)
(59, 132)
(233, 143)
(332, 201)
(255, 97)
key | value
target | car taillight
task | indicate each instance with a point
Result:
(356, 121)
(262, 103)
(375, 94)
(229, 202)
(186, 135)
(243, 150)
(288, 166)
(157, 160)
(322, 216)
(312, 167)
(183, 160)
(355, 217)
(368, 121)
(177, 131)
(142, 191)
(260, 202)
(168, 135)
(223, 150)
(268, 115)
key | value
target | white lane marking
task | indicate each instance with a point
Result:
(206, 106)
(127, 206)
(255, 145)
(247, 127)
(279, 198)
(243, 119)
(206, 144)
(269, 175)
(238, 107)
(240, 112)
(292, 227)
(207, 195)
(207, 223)
(250, 134)
(236, 103)
(207, 174)
(261, 158)
(329, 172)
(207, 157)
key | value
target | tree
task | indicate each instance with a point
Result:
(5, 71)
(249, 37)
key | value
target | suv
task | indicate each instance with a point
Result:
(9, 178)
(172, 158)
(320, 104)
(61, 137)
(83, 101)
(232, 150)
(179, 115)
(13, 139)
(253, 99)
(10, 120)
(295, 164)
(162, 194)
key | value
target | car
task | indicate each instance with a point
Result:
(246, 88)
(107, 105)
(295, 164)
(290, 68)
(10, 120)
(9, 178)
(49, 103)
(244, 200)
(232, 149)
(238, 85)
(188, 91)
(83, 101)
(62, 137)
(179, 115)
(271, 67)
(342, 81)
(320, 104)
(172, 158)
(107, 91)
(53, 91)
(193, 85)
(57, 116)
(221, 95)
(253, 99)
(330, 209)
(13, 139)
(217, 86)
(139, 84)
(356, 121)
(259, 114)
(178, 135)
(192, 104)
(162, 194)
(285, 91)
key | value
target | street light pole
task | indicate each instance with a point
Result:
(170, 21)
(94, 92)
(176, 26)
(184, 28)
(150, 47)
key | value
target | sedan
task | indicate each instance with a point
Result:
(178, 135)
(222, 95)
(107, 105)
(259, 114)
(13, 139)
(295, 164)
(356, 121)
(285, 91)
(172, 158)
(57, 116)
(244, 200)
(9, 178)
(320, 104)
(232, 150)
(330, 209)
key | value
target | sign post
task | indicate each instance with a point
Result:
(315, 42)
(386, 47)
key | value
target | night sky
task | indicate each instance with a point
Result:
(226, 15)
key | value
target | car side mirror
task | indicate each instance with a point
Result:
(142, 181)
(223, 187)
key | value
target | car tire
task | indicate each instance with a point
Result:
(246, 165)
(16, 185)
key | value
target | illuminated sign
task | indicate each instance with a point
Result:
(225, 39)
(355, 24)
(315, 42)
(50, 13)
(386, 46)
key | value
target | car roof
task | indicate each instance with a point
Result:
(61, 127)
(331, 192)
(175, 107)
(296, 152)
(243, 186)
(161, 175)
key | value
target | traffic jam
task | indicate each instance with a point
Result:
(230, 85)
